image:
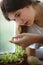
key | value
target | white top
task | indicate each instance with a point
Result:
(36, 29)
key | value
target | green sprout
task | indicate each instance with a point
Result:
(14, 57)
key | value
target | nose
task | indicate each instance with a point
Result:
(23, 20)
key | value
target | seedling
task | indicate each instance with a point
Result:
(15, 57)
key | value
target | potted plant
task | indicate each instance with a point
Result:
(15, 58)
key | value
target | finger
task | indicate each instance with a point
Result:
(15, 42)
(17, 36)
(14, 38)
(11, 41)
(19, 42)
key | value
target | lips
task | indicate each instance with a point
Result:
(26, 23)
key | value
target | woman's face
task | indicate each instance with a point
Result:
(24, 16)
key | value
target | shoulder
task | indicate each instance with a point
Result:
(41, 5)
(39, 20)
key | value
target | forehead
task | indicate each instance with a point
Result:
(11, 15)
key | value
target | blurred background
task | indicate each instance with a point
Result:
(7, 31)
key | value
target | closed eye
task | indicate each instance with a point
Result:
(17, 15)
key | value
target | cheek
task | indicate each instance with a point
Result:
(28, 15)
(31, 15)
(19, 21)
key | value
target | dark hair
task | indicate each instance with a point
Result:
(13, 5)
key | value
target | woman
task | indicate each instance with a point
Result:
(27, 13)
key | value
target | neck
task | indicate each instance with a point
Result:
(39, 16)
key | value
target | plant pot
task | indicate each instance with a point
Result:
(18, 63)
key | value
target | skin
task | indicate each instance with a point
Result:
(25, 39)
(26, 16)
(23, 16)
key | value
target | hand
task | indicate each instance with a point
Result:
(24, 39)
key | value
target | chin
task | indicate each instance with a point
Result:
(30, 24)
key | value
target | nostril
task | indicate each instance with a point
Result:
(26, 22)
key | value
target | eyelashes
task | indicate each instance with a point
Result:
(17, 15)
